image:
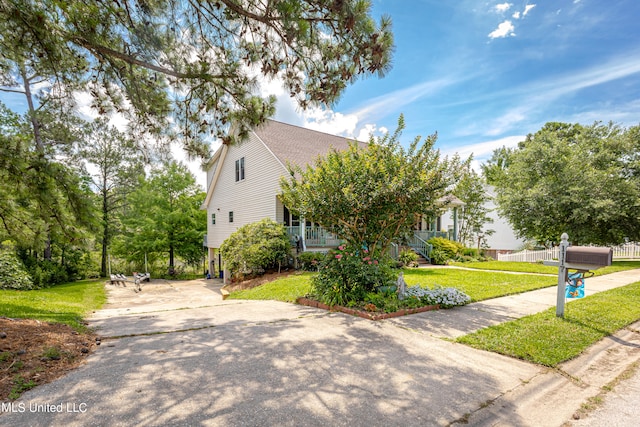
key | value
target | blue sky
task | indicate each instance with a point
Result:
(486, 73)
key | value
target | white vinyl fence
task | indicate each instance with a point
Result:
(627, 251)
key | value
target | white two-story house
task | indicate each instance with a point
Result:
(243, 183)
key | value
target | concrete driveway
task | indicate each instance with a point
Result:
(177, 354)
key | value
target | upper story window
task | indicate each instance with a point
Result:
(213, 219)
(240, 169)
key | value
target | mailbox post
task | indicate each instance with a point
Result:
(562, 274)
(580, 258)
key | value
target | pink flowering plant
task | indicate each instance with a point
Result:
(349, 273)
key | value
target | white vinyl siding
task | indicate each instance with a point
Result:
(252, 201)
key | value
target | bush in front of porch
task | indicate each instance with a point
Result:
(255, 247)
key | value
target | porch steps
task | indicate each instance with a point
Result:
(421, 260)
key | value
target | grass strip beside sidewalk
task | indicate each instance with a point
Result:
(548, 340)
(68, 303)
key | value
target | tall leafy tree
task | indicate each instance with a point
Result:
(197, 61)
(116, 165)
(474, 215)
(164, 217)
(44, 199)
(582, 180)
(16, 214)
(370, 195)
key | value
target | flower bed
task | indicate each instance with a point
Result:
(365, 314)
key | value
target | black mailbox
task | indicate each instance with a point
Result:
(587, 255)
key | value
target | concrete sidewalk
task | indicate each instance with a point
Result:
(177, 354)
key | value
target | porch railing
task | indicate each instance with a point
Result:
(421, 246)
(316, 237)
(426, 235)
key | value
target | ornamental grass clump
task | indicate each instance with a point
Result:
(444, 297)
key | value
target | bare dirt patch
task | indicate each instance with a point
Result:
(34, 352)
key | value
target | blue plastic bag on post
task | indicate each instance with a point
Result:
(575, 286)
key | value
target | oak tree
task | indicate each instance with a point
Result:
(582, 180)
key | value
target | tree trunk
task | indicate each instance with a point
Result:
(171, 262)
(47, 248)
(105, 234)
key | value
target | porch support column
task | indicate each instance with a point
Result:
(455, 224)
(303, 233)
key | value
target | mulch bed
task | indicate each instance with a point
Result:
(365, 314)
(38, 352)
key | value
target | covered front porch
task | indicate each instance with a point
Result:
(306, 235)
(312, 236)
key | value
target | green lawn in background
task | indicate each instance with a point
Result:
(67, 303)
(530, 267)
(520, 267)
(479, 285)
(549, 340)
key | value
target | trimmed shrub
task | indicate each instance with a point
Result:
(470, 252)
(256, 247)
(13, 275)
(311, 261)
(443, 250)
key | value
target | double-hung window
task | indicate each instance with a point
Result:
(240, 169)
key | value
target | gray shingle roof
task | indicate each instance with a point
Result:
(297, 145)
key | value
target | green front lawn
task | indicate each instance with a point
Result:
(479, 285)
(549, 340)
(68, 303)
(286, 289)
(520, 267)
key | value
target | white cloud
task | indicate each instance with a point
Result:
(516, 15)
(319, 118)
(503, 7)
(505, 29)
(527, 8)
(614, 69)
(394, 101)
(329, 121)
(505, 122)
(367, 131)
(483, 150)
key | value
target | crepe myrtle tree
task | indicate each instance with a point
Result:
(369, 195)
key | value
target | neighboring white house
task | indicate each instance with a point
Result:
(503, 239)
(243, 183)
